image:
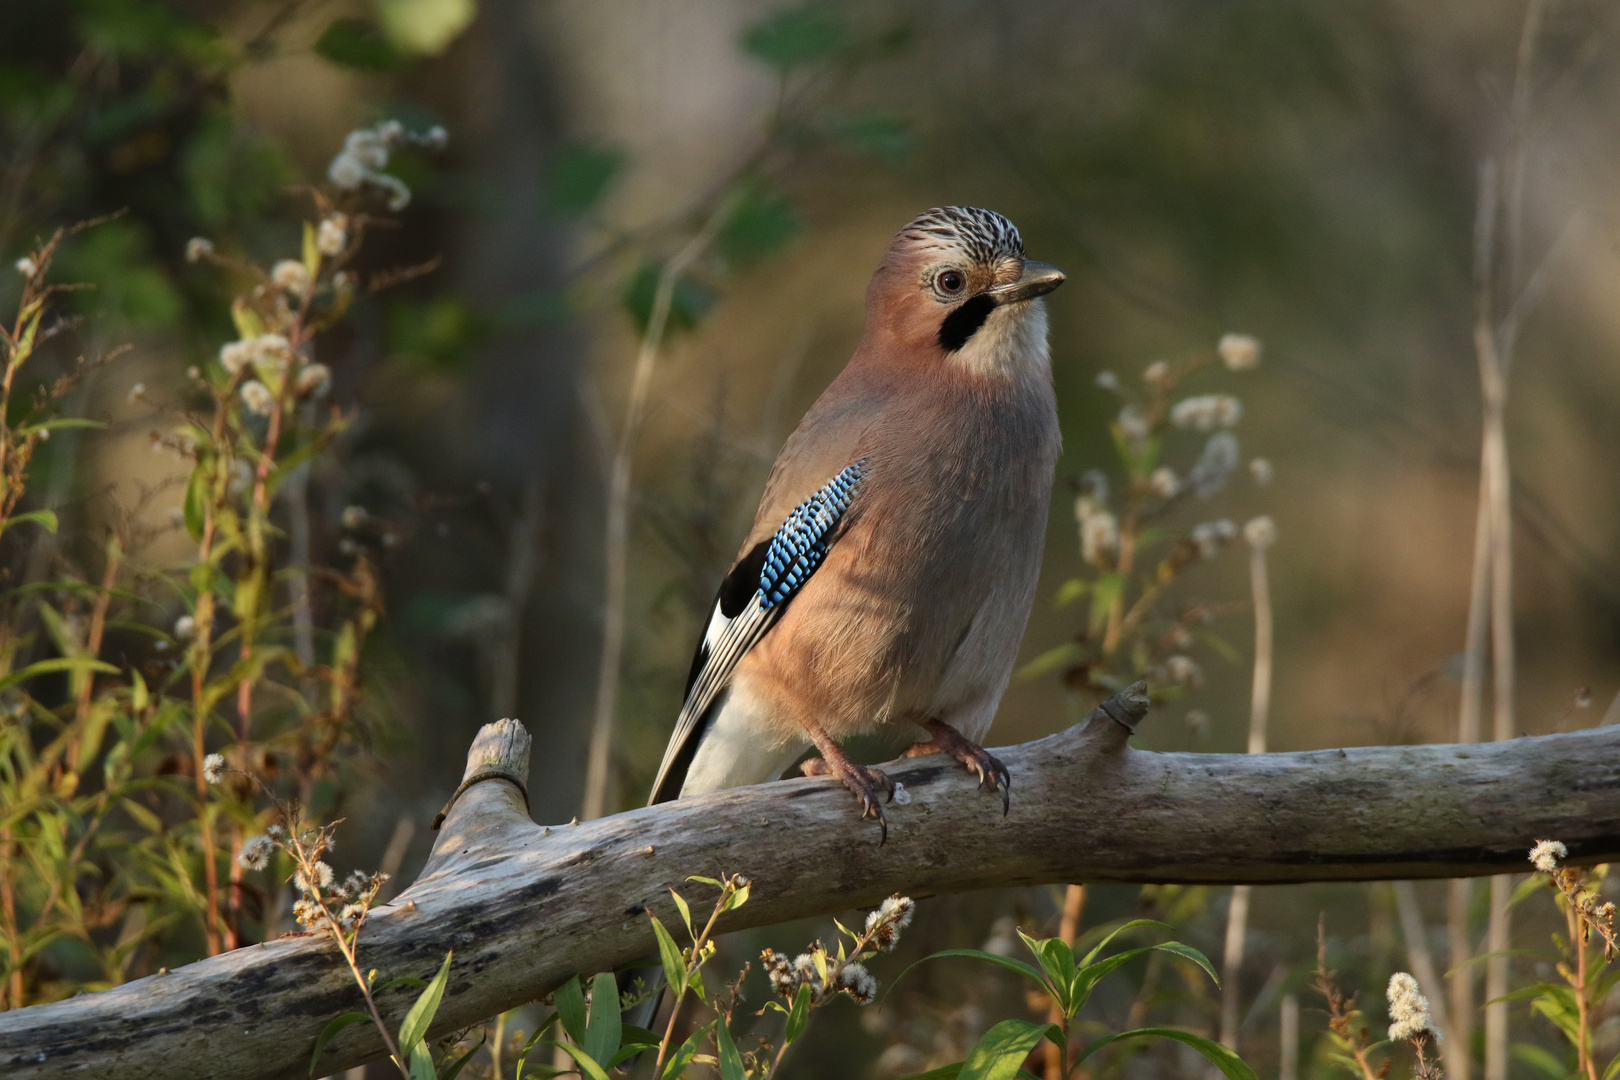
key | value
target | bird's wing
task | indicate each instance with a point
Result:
(751, 600)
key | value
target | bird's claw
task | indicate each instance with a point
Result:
(863, 782)
(984, 765)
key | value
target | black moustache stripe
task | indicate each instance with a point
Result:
(962, 323)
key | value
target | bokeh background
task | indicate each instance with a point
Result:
(1305, 172)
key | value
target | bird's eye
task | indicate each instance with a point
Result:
(951, 281)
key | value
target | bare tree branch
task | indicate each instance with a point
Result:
(525, 907)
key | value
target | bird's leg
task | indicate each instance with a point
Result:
(866, 784)
(979, 761)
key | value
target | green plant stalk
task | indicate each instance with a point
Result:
(201, 656)
(698, 942)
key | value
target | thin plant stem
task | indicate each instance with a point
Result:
(1288, 1032)
(1237, 917)
(201, 656)
(616, 541)
(1074, 902)
(8, 913)
(698, 942)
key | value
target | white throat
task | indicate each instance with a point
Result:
(1011, 343)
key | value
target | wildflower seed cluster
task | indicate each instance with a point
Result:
(1132, 554)
(826, 974)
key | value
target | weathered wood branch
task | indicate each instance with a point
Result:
(524, 907)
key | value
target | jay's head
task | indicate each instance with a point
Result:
(956, 288)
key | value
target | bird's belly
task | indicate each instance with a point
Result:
(741, 746)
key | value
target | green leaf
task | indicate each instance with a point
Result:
(333, 1026)
(1231, 1066)
(43, 518)
(631, 1035)
(1187, 952)
(757, 226)
(1029, 971)
(425, 27)
(1527, 888)
(794, 37)
(1108, 589)
(944, 1072)
(587, 1064)
(415, 1025)
(59, 424)
(1003, 1048)
(1118, 930)
(884, 137)
(57, 663)
(737, 899)
(1052, 660)
(1057, 961)
(196, 502)
(451, 1071)
(1069, 592)
(602, 1029)
(686, 913)
(798, 1016)
(360, 44)
(682, 1057)
(1092, 974)
(1542, 1060)
(674, 963)
(422, 1062)
(311, 250)
(689, 302)
(570, 1002)
(1613, 1070)
(731, 1063)
(579, 176)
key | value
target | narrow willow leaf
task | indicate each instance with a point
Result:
(1002, 1050)
(333, 1026)
(415, 1025)
(731, 1063)
(798, 1016)
(682, 1057)
(674, 963)
(602, 1028)
(1231, 1066)
(570, 1002)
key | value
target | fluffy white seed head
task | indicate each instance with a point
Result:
(1546, 854)
(314, 381)
(1260, 532)
(257, 397)
(1408, 1009)
(291, 276)
(1206, 412)
(332, 235)
(213, 767)
(861, 985)
(1239, 352)
(255, 853)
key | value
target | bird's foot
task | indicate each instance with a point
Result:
(866, 784)
(979, 761)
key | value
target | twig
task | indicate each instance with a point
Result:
(618, 511)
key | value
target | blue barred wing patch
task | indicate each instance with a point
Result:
(741, 618)
(800, 544)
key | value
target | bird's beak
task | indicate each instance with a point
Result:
(1038, 279)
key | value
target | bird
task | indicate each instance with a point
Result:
(887, 579)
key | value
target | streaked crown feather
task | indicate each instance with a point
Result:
(983, 235)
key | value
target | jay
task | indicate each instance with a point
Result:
(889, 574)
